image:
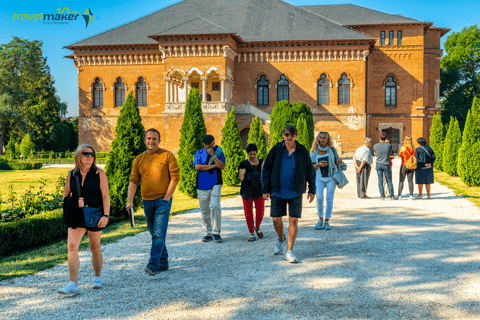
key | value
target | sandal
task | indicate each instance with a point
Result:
(251, 239)
(259, 233)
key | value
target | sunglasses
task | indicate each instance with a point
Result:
(208, 142)
(323, 132)
(288, 134)
(88, 154)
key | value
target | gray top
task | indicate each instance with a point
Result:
(383, 151)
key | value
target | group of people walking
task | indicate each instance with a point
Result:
(418, 162)
(281, 178)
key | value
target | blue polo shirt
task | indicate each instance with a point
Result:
(287, 176)
(206, 180)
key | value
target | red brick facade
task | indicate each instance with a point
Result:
(230, 70)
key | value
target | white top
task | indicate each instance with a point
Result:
(363, 154)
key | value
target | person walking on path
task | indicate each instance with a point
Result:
(158, 172)
(324, 158)
(209, 162)
(406, 152)
(363, 165)
(95, 194)
(384, 152)
(424, 172)
(250, 172)
(385, 183)
(285, 174)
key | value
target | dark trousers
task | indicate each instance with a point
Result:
(405, 173)
(362, 179)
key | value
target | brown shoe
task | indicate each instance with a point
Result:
(259, 233)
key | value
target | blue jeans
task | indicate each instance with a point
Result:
(387, 171)
(157, 213)
(321, 185)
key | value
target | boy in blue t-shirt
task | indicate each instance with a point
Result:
(209, 162)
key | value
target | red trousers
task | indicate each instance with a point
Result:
(259, 210)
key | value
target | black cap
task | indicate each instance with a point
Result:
(208, 138)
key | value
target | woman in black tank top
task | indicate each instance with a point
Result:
(93, 184)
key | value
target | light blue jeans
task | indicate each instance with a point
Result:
(157, 213)
(330, 184)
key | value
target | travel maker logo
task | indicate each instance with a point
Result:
(64, 16)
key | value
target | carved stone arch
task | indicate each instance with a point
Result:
(144, 80)
(211, 69)
(286, 77)
(101, 81)
(123, 80)
(349, 77)
(395, 78)
(175, 69)
(257, 78)
(189, 72)
(329, 78)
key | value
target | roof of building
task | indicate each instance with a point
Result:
(353, 15)
(252, 20)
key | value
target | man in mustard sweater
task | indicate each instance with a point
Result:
(157, 169)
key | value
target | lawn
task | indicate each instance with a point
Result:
(34, 260)
(458, 187)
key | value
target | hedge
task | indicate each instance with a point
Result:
(19, 165)
(33, 231)
(52, 161)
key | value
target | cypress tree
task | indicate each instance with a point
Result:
(128, 144)
(232, 148)
(10, 149)
(303, 136)
(301, 108)
(437, 140)
(27, 147)
(453, 142)
(280, 117)
(466, 167)
(256, 135)
(191, 140)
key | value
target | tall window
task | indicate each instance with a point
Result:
(282, 88)
(390, 92)
(119, 93)
(382, 38)
(97, 93)
(262, 91)
(344, 90)
(390, 38)
(399, 37)
(323, 88)
(141, 93)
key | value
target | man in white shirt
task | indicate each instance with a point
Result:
(362, 161)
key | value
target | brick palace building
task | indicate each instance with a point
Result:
(361, 71)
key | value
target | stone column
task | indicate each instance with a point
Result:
(185, 87)
(222, 89)
(204, 88)
(175, 92)
(437, 94)
(167, 90)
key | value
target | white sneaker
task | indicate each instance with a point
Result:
(399, 197)
(428, 197)
(70, 288)
(97, 283)
(410, 198)
(290, 257)
(279, 247)
(420, 197)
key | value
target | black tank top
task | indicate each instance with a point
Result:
(91, 188)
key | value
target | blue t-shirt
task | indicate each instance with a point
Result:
(206, 180)
(287, 176)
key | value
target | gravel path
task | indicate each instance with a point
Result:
(381, 260)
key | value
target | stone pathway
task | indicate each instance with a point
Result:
(382, 260)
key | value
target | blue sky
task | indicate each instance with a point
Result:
(109, 14)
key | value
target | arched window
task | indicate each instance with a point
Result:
(323, 87)
(119, 93)
(262, 91)
(344, 90)
(97, 93)
(390, 92)
(282, 88)
(141, 93)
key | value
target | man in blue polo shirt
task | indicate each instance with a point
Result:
(285, 174)
(209, 162)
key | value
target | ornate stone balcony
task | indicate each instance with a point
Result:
(207, 107)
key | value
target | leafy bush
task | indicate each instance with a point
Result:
(303, 137)
(453, 142)
(27, 147)
(257, 136)
(191, 135)
(232, 148)
(32, 231)
(437, 140)
(128, 144)
(10, 151)
(283, 113)
(471, 135)
(10, 165)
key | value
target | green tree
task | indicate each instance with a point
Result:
(453, 142)
(128, 144)
(283, 114)
(437, 140)
(232, 148)
(303, 137)
(191, 140)
(460, 73)
(64, 137)
(27, 95)
(257, 136)
(10, 151)
(27, 147)
(466, 167)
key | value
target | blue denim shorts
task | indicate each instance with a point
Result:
(279, 207)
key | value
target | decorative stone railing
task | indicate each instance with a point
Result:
(249, 109)
(207, 107)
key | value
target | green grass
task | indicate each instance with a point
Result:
(34, 260)
(458, 187)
